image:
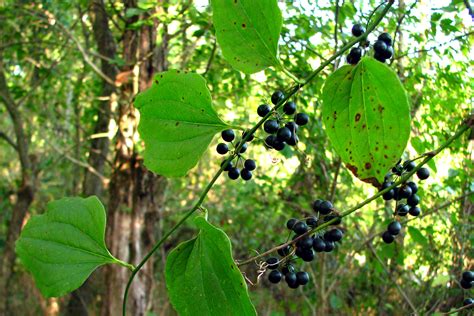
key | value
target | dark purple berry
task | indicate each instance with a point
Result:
(302, 278)
(404, 192)
(271, 126)
(229, 165)
(263, 110)
(275, 276)
(319, 245)
(277, 96)
(307, 255)
(222, 148)
(270, 141)
(244, 148)
(394, 228)
(250, 138)
(380, 46)
(228, 135)
(468, 276)
(329, 246)
(402, 209)
(285, 251)
(283, 134)
(358, 30)
(465, 284)
(272, 263)
(305, 243)
(250, 164)
(234, 173)
(301, 119)
(325, 207)
(330, 217)
(312, 221)
(289, 108)
(468, 301)
(300, 228)
(291, 223)
(246, 174)
(413, 187)
(387, 237)
(333, 235)
(413, 200)
(386, 38)
(409, 165)
(414, 211)
(423, 173)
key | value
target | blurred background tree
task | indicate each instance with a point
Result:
(69, 71)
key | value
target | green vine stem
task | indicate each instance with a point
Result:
(466, 125)
(290, 94)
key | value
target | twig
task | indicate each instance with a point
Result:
(400, 290)
(211, 58)
(8, 140)
(400, 21)
(467, 124)
(459, 309)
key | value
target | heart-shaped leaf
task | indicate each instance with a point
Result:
(177, 122)
(202, 278)
(366, 115)
(248, 32)
(62, 247)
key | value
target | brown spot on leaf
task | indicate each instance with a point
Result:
(177, 123)
(357, 117)
(364, 126)
(334, 115)
(381, 108)
(243, 25)
(368, 165)
(385, 156)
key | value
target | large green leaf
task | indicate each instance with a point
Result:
(202, 278)
(177, 122)
(366, 115)
(62, 247)
(248, 32)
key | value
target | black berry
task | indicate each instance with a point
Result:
(333, 235)
(358, 30)
(270, 141)
(291, 223)
(325, 207)
(292, 126)
(316, 205)
(404, 192)
(468, 276)
(388, 238)
(423, 173)
(278, 145)
(272, 263)
(229, 165)
(228, 135)
(388, 53)
(312, 221)
(409, 165)
(402, 209)
(300, 228)
(465, 284)
(250, 138)
(263, 110)
(307, 255)
(379, 56)
(305, 243)
(283, 134)
(244, 148)
(468, 301)
(330, 217)
(302, 278)
(234, 173)
(387, 196)
(394, 228)
(354, 55)
(414, 211)
(275, 276)
(386, 38)
(319, 245)
(285, 251)
(222, 148)
(413, 200)
(271, 126)
(289, 108)
(380, 47)
(413, 187)
(246, 174)
(329, 246)
(277, 96)
(301, 119)
(250, 164)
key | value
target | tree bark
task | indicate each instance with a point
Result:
(24, 195)
(100, 146)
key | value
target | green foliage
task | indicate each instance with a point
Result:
(62, 247)
(366, 115)
(248, 32)
(202, 278)
(177, 122)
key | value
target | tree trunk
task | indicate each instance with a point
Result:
(24, 195)
(100, 145)
(135, 193)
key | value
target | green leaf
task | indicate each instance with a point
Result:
(202, 278)
(177, 122)
(366, 115)
(63, 246)
(248, 32)
(417, 236)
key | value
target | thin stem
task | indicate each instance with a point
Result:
(467, 124)
(289, 74)
(459, 309)
(203, 195)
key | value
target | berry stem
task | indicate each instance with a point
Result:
(203, 195)
(466, 125)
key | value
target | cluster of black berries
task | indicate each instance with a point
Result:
(383, 49)
(406, 191)
(467, 278)
(233, 170)
(282, 131)
(305, 247)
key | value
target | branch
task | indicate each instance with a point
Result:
(400, 20)
(467, 124)
(459, 309)
(8, 140)
(292, 92)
